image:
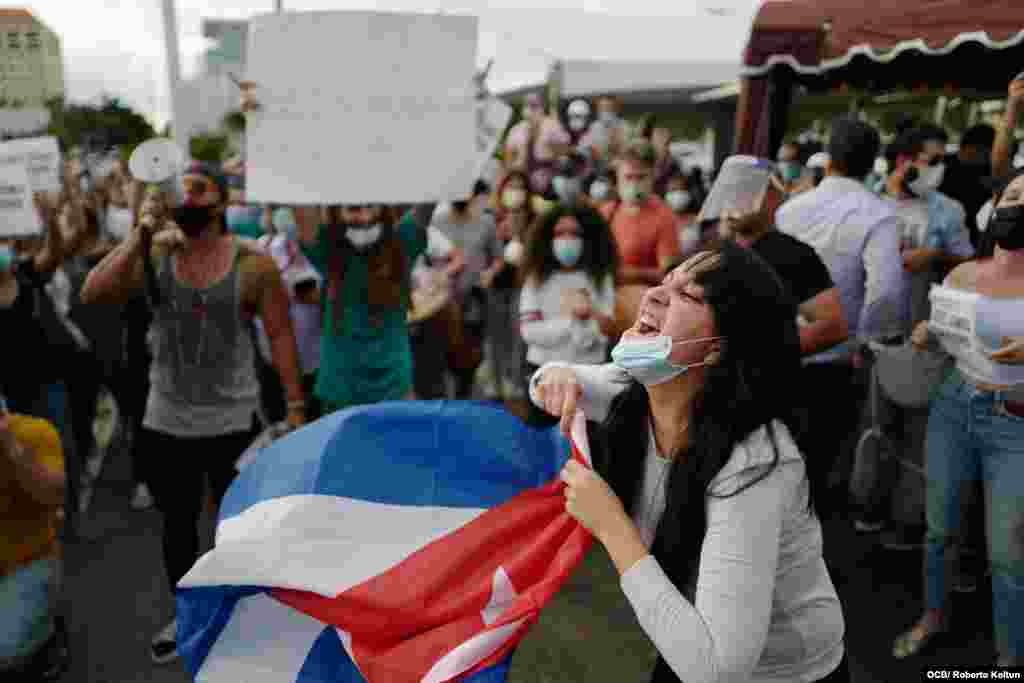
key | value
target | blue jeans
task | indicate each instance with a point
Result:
(972, 437)
(26, 613)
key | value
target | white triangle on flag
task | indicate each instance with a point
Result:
(503, 594)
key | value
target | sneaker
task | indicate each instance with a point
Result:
(863, 526)
(164, 647)
(142, 499)
(903, 538)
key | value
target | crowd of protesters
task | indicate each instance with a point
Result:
(206, 319)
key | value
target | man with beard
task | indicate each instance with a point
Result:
(205, 287)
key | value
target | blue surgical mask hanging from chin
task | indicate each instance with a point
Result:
(6, 258)
(647, 359)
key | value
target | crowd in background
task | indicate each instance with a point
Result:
(546, 261)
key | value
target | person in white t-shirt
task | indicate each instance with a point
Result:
(567, 302)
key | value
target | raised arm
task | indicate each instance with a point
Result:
(1001, 148)
(51, 256)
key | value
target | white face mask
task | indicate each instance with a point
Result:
(928, 180)
(984, 214)
(678, 199)
(363, 238)
(599, 190)
(577, 123)
(647, 359)
(514, 252)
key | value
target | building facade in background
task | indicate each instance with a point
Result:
(228, 54)
(205, 100)
(31, 60)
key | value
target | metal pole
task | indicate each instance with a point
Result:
(174, 73)
(278, 6)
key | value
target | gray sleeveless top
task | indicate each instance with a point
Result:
(203, 377)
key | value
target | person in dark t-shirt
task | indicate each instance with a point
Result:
(822, 321)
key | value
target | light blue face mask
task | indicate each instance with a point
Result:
(245, 221)
(646, 359)
(284, 222)
(568, 250)
(6, 258)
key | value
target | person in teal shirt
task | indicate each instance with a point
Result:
(366, 261)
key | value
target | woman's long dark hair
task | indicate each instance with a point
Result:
(987, 245)
(600, 256)
(753, 384)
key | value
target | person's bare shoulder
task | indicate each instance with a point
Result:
(964, 276)
(258, 270)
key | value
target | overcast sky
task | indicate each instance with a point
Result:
(117, 46)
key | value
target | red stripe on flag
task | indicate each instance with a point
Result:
(407, 619)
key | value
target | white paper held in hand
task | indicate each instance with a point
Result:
(41, 157)
(156, 160)
(18, 215)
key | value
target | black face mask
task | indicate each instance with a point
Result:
(193, 219)
(1007, 227)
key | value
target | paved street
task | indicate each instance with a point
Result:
(116, 600)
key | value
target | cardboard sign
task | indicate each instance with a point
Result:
(361, 107)
(18, 216)
(41, 157)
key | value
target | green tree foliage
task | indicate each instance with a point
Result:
(209, 148)
(107, 124)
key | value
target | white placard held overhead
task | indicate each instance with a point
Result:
(41, 156)
(18, 216)
(361, 107)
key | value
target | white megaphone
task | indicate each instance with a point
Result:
(156, 161)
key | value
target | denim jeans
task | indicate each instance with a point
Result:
(972, 437)
(26, 612)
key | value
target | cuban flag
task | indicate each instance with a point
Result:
(401, 542)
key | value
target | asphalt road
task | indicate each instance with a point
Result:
(115, 599)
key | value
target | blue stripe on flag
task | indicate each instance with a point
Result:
(428, 452)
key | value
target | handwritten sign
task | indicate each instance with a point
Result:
(361, 107)
(41, 157)
(18, 216)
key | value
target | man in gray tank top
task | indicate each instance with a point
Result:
(205, 289)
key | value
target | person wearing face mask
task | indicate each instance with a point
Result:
(601, 190)
(505, 252)
(966, 172)
(975, 429)
(535, 143)
(692, 238)
(644, 227)
(567, 303)
(578, 115)
(468, 226)
(935, 236)
(366, 258)
(700, 484)
(606, 136)
(665, 165)
(205, 288)
(789, 167)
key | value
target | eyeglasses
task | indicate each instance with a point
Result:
(196, 185)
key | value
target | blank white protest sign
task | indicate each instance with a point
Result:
(361, 108)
